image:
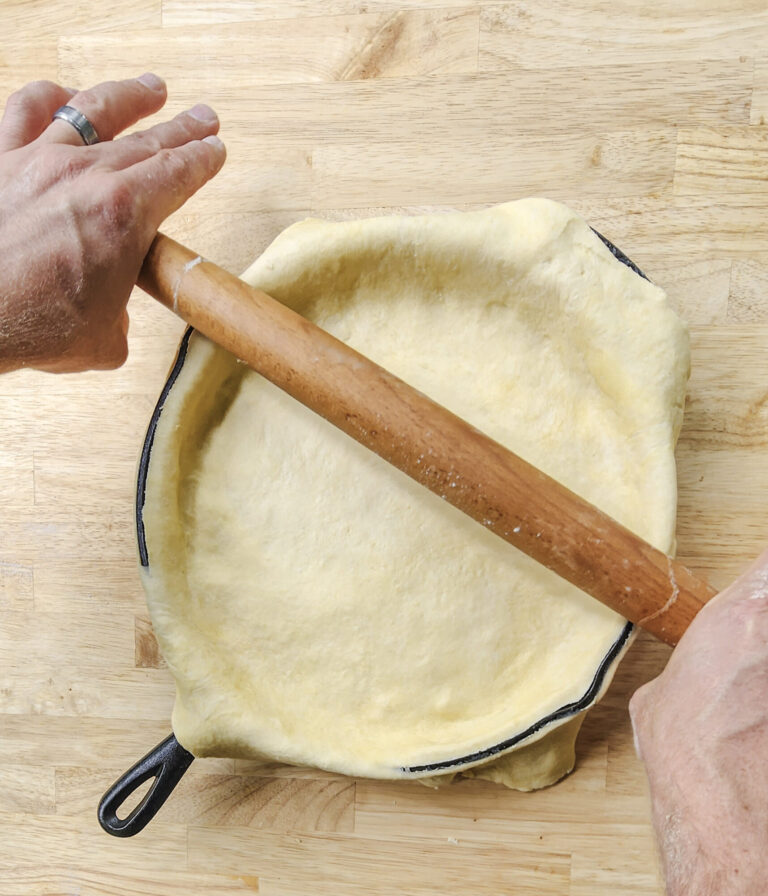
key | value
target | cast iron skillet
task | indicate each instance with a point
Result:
(168, 761)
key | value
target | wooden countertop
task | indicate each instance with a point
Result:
(651, 126)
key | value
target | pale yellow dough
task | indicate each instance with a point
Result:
(318, 607)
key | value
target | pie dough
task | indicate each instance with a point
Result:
(318, 607)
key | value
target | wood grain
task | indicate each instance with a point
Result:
(343, 864)
(34, 20)
(22, 61)
(711, 162)
(25, 789)
(759, 110)
(560, 33)
(487, 106)
(587, 164)
(334, 48)
(281, 804)
(210, 12)
(749, 286)
(472, 103)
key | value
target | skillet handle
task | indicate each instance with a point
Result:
(166, 764)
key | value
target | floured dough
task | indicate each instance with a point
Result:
(318, 607)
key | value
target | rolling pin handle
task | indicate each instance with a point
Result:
(166, 764)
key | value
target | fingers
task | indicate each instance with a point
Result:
(110, 107)
(28, 112)
(164, 182)
(194, 124)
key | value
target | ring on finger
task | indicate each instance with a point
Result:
(79, 122)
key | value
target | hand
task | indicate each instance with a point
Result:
(701, 729)
(76, 221)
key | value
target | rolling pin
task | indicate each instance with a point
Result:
(482, 478)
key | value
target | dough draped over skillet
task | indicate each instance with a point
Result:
(318, 607)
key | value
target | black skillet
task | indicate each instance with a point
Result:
(168, 761)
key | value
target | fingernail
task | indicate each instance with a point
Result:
(203, 113)
(152, 81)
(214, 141)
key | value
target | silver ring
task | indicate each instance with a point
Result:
(79, 122)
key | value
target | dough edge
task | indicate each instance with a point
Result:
(539, 760)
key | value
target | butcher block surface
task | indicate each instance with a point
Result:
(651, 126)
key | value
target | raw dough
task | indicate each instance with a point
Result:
(318, 607)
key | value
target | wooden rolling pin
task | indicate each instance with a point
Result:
(501, 491)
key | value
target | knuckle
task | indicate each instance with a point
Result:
(19, 99)
(44, 86)
(67, 162)
(172, 164)
(145, 141)
(29, 94)
(118, 204)
(170, 158)
(56, 162)
(93, 101)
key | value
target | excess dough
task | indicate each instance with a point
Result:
(318, 607)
